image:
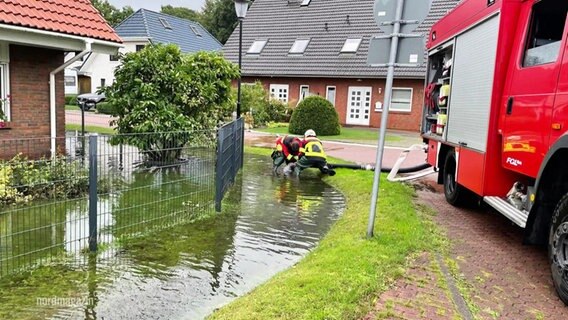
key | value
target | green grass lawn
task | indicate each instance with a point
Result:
(363, 135)
(92, 129)
(71, 107)
(342, 276)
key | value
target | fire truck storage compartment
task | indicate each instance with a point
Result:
(437, 90)
(472, 85)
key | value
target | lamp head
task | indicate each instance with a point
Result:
(241, 7)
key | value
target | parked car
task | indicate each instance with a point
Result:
(87, 101)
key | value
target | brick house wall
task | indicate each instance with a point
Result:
(29, 102)
(409, 121)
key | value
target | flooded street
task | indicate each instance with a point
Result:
(185, 272)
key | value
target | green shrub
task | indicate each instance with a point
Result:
(104, 108)
(276, 110)
(254, 100)
(23, 180)
(162, 90)
(71, 99)
(315, 113)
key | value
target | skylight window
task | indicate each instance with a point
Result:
(257, 46)
(305, 2)
(165, 23)
(299, 46)
(195, 30)
(351, 45)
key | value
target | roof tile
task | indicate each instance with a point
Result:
(74, 17)
(146, 23)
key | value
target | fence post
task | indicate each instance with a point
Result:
(233, 151)
(242, 142)
(219, 170)
(93, 144)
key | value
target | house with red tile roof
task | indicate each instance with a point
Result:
(35, 35)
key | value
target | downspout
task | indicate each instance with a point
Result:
(52, 95)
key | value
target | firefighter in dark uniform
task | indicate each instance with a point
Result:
(287, 151)
(312, 155)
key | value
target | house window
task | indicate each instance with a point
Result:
(70, 81)
(140, 47)
(279, 92)
(351, 45)
(4, 91)
(165, 23)
(330, 94)
(299, 46)
(257, 46)
(305, 2)
(194, 29)
(545, 33)
(304, 91)
(103, 82)
(113, 57)
(401, 99)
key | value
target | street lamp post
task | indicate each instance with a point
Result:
(241, 7)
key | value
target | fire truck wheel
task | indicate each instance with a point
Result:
(558, 248)
(455, 194)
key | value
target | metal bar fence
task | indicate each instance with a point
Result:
(127, 185)
(229, 158)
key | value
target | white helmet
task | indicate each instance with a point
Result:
(309, 133)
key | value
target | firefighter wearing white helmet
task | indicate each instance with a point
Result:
(312, 154)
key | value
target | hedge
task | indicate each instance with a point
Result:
(315, 113)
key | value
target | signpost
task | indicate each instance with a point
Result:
(394, 17)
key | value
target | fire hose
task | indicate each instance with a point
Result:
(420, 170)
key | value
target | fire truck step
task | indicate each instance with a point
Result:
(517, 216)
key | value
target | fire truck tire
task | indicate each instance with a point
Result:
(455, 194)
(558, 248)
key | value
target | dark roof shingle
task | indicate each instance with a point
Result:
(146, 23)
(328, 23)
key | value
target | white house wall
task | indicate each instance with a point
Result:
(71, 89)
(98, 66)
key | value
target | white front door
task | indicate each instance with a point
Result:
(359, 106)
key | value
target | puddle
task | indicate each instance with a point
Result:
(188, 271)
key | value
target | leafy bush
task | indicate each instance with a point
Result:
(276, 110)
(71, 99)
(104, 108)
(253, 101)
(160, 90)
(315, 113)
(264, 110)
(23, 180)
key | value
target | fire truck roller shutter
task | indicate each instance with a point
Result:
(472, 85)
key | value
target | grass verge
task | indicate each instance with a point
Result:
(92, 129)
(72, 107)
(342, 276)
(361, 135)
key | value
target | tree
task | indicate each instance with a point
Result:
(182, 12)
(219, 18)
(111, 14)
(164, 99)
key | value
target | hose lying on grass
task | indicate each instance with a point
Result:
(372, 168)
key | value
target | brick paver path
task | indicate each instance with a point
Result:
(503, 278)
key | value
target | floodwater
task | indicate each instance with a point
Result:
(186, 272)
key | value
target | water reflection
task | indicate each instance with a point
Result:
(187, 271)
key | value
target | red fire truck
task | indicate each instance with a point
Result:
(496, 115)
